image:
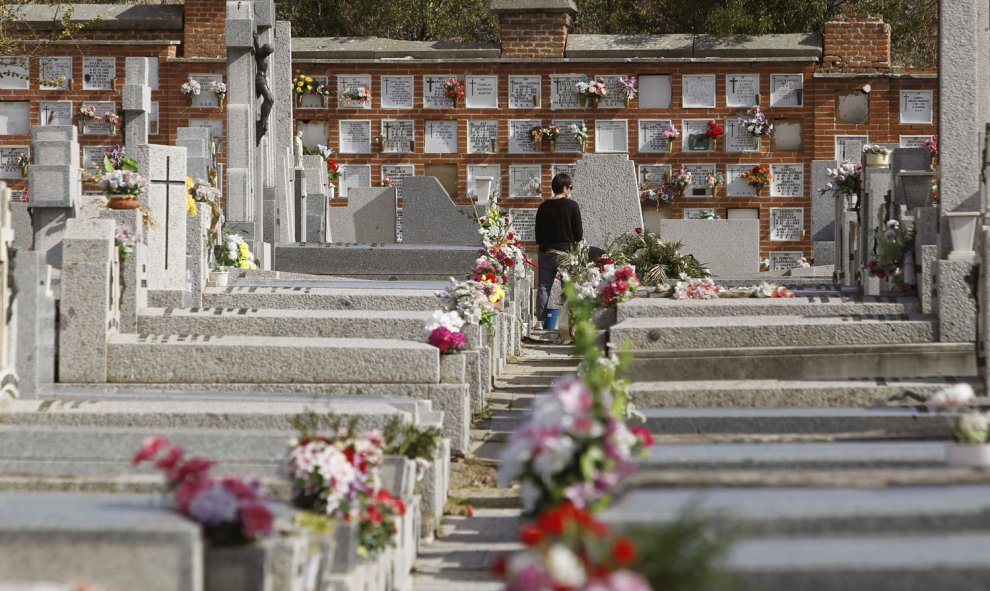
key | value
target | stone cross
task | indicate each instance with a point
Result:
(165, 167)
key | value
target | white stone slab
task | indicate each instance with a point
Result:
(654, 92)
(786, 90)
(525, 92)
(440, 137)
(397, 92)
(741, 90)
(99, 72)
(482, 136)
(786, 224)
(481, 92)
(698, 92)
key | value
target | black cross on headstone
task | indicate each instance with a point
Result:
(431, 130)
(388, 130)
(733, 82)
(429, 84)
(472, 86)
(168, 182)
(558, 82)
(48, 115)
(386, 85)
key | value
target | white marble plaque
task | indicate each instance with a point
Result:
(14, 74)
(154, 118)
(398, 171)
(441, 137)
(914, 141)
(737, 139)
(481, 135)
(353, 176)
(206, 99)
(735, 184)
(353, 82)
(525, 180)
(568, 169)
(99, 72)
(313, 134)
(850, 147)
(433, 93)
(693, 138)
(55, 72)
(15, 117)
(563, 94)
(611, 135)
(523, 223)
(651, 135)
(741, 90)
(786, 90)
(397, 92)
(916, 106)
(613, 99)
(652, 176)
(698, 173)
(654, 92)
(398, 135)
(92, 159)
(312, 100)
(9, 169)
(786, 223)
(525, 92)
(787, 180)
(698, 213)
(355, 137)
(782, 261)
(97, 126)
(698, 92)
(481, 92)
(476, 170)
(520, 140)
(788, 135)
(55, 112)
(566, 142)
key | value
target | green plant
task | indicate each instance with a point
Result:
(684, 555)
(409, 440)
(656, 261)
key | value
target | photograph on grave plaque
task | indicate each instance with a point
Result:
(783, 261)
(523, 223)
(735, 184)
(97, 125)
(525, 92)
(520, 140)
(441, 137)
(353, 176)
(55, 113)
(205, 99)
(566, 140)
(525, 180)
(352, 89)
(15, 117)
(694, 137)
(611, 135)
(613, 99)
(699, 213)
(434, 95)
(654, 92)
(14, 73)
(698, 92)
(481, 92)
(850, 147)
(398, 135)
(787, 180)
(568, 169)
(55, 73)
(651, 176)
(482, 137)
(153, 125)
(916, 106)
(651, 135)
(99, 73)
(10, 167)
(563, 94)
(741, 90)
(476, 170)
(738, 138)
(913, 141)
(397, 92)
(355, 137)
(311, 99)
(698, 173)
(786, 90)
(786, 224)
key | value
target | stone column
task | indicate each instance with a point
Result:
(823, 221)
(133, 281)
(198, 142)
(8, 375)
(55, 188)
(317, 199)
(136, 101)
(876, 185)
(34, 348)
(240, 186)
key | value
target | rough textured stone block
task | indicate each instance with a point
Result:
(956, 303)
(605, 187)
(376, 260)
(725, 247)
(54, 185)
(34, 342)
(926, 279)
(55, 154)
(368, 218)
(133, 296)
(54, 133)
(239, 25)
(165, 168)
(429, 215)
(452, 369)
(136, 98)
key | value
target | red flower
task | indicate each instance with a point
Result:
(239, 488)
(149, 447)
(499, 567)
(510, 236)
(194, 467)
(714, 131)
(530, 534)
(624, 551)
(374, 515)
(170, 459)
(639, 230)
(188, 490)
(332, 165)
(256, 519)
(643, 434)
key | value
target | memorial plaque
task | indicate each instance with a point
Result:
(397, 172)
(398, 135)
(698, 92)
(481, 92)
(99, 72)
(355, 137)
(18, 197)
(611, 135)
(735, 184)
(353, 82)
(523, 223)
(441, 137)
(14, 73)
(783, 261)
(313, 133)
(206, 99)
(693, 138)
(699, 213)
(852, 107)
(153, 121)
(651, 135)
(916, 106)
(525, 92)
(563, 94)
(566, 142)
(55, 112)
(92, 159)
(652, 176)
(520, 140)
(525, 180)
(353, 176)
(433, 93)
(654, 92)
(476, 170)
(741, 90)
(738, 139)
(788, 135)
(55, 72)
(786, 223)
(97, 126)
(787, 180)
(786, 90)
(311, 100)
(397, 92)
(914, 141)
(850, 147)
(613, 99)
(15, 117)
(9, 169)
(698, 174)
(568, 169)
(482, 136)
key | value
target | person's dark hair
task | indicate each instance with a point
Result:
(560, 182)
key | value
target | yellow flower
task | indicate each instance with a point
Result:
(191, 208)
(245, 264)
(309, 79)
(190, 183)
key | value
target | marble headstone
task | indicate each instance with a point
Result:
(605, 188)
(368, 218)
(429, 215)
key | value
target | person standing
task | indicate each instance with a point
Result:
(558, 227)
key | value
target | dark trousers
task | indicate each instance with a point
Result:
(546, 275)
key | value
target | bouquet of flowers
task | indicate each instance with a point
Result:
(87, 112)
(591, 91)
(708, 214)
(454, 90)
(756, 123)
(470, 299)
(617, 284)
(844, 180)
(361, 94)
(443, 331)
(628, 88)
(325, 90)
(550, 133)
(23, 161)
(580, 133)
(758, 177)
(770, 290)
(679, 181)
(122, 184)
(333, 170)
(499, 241)
(714, 132)
(893, 243)
(219, 89)
(875, 149)
(112, 120)
(125, 240)
(932, 144)
(235, 252)
(696, 289)
(303, 84)
(670, 134)
(202, 191)
(231, 509)
(191, 88)
(115, 157)
(713, 181)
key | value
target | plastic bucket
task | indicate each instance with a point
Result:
(551, 322)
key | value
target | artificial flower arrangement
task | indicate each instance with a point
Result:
(590, 90)
(235, 252)
(443, 331)
(333, 170)
(499, 239)
(191, 88)
(303, 84)
(679, 181)
(361, 94)
(670, 134)
(200, 191)
(759, 291)
(714, 181)
(932, 145)
(708, 214)
(231, 509)
(325, 92)
(758, 177)
(580, 133)
(454, 90)
(112, 120)
(387, 181)
(875, 149)
(617, 284)
(23, 161)
(893, 242)
(714, 132)
(576, 268)
(690, 288)
(219, 90)
(628, 87)
(125, 240)
(471, 300)
(122, 185)
(658, 195)
(545, 135)
(845, 179)
(489, 269)
(756, 123)
(87, 112)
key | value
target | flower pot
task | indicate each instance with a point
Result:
(299, 100)
(189, 99)
(483, 188)
(593, 102)
(453, 102)
(714, 145)
(670, 144)
(536, 100)
(878, 160)
(553, 145)
(220, 101)
(325, 101)
(123, 202)
(628, 102)
(113, 130)
(237, 568)
(584, 146)
(113, 84)
(584, 100)
(962, 229)
(551, 322)
(220, 278)
(967, 454)
(24, 171)
(494, 146)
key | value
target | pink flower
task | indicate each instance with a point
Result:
(448, 341)
(189, 490)
(643, 434)
(256, 519)
(170, 459)
(194, 467)
(149, 447)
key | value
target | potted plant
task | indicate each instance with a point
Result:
(629, 88)
(580, 133)
(877, 156)
(190, 88)
(670, 134)
(969, 430)
(23, 161)
(234, 252)
(758, 177)
(756, 123)
(121, 182)
(219, 89)
(454, 90)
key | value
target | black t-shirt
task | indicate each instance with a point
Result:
(558, 224)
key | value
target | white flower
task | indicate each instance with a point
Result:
(951, 397)
(555, 454)
(565, 568)
(450, 320)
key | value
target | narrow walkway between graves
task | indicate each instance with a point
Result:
(462, 558)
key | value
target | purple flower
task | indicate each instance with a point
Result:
(214, 506)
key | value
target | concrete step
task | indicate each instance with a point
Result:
(771, 331)
(777, 393)
(243, 359)
(911, 360)
(797, 306)
(341, 324)
(321, 298)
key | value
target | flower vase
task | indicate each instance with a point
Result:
(878, 160)
(24, 171)
(553, 145)
(113, 130)
(113, 84)
(454, 102)
(714, 145)
(962, 229)
(220, 278)
(628, 101)
(122, 202)
(584, 146)
(299, 100)
(220, 101)
(934, 161)
(325, 101)
(494, 146)
(670, 144)
(967, 455)
(189, 98)
(584, 100)
(536, 100)
(593, 102)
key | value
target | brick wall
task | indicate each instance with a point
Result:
(533, 35)
(857, 42)
(204, 28)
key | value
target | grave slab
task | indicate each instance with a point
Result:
(385, 261)
(796, 306)
(725, 247)
(429, 215)
(836, 454)
(368, 218)
(606, 189)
